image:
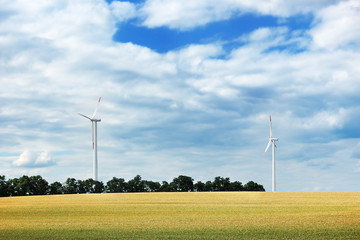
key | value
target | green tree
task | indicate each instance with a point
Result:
(116, 185)
(221, 184)
(56, 188)
(236, 186)
(70, 186)
(199, 186)
(208, 186)
(183, 184)
(12, 187)
(252, 186)
(165, 187)
(151, 186)
(93, 186)
(3, 187)
(80, 186)
(23, 186)
(136, 184)
(89, 185)
(98, 187)
(38, 186)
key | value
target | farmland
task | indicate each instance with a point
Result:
(206, 215)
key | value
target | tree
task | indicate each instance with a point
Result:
(12, 187)
(221, 184)
(93, 186)
(3, 187)
(23, 186)
(183, 184)
(80, 186)
(151, 186)
(136, 184)
(98, 187)
(116, 185)
(70, 186)
(252, 186)
(236, 186)
(89, 185)
(38, 186)
(199, 186)
(56, 188)
(165, 187)
(208, 186)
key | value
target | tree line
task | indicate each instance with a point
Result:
(36, 185)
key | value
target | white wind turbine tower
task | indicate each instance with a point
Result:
(272, 141)
(94, 139)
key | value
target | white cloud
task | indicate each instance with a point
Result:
(30, 159)
(184, 15)
(284, 8)
(60, 20)
(252, 65)
(25, 159)
(123, 10)
(326, 120)
(192, 57)
(44, 159)
(337, 26)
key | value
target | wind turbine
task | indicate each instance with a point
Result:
(94, 122)
(272, 141)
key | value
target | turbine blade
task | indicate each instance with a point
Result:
(267, 147)
(92, 133)
(96, 108)
(85, 116)
(270, 128)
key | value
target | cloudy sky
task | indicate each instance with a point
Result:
(187, 88)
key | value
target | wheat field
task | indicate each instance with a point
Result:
(205, 215)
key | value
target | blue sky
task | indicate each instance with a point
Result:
(163, 39)
(187, 88)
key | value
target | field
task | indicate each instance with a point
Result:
(210, 215)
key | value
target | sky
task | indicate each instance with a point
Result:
(187, 88)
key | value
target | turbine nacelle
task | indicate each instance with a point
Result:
(91, 119)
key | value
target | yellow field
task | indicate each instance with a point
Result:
(209, 215)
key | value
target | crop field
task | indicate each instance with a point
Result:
(206, 215)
